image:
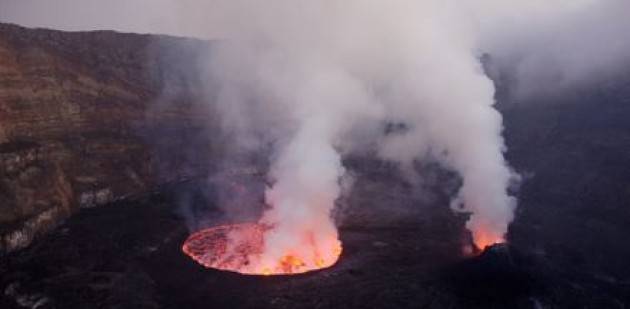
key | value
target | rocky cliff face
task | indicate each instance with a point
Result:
(86, 118)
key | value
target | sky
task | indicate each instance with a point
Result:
(73, 15)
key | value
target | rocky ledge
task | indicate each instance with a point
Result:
(80, 114)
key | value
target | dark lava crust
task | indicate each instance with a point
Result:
(128, 255)
(402, 248)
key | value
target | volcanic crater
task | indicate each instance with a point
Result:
(403, 246)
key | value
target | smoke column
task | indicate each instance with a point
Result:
(308, 100)
(312, 77)
(310, 74)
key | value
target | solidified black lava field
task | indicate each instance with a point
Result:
(567, 247)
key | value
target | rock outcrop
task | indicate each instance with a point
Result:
(87, 118)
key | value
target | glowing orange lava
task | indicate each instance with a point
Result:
(239, 248)
(484, 239)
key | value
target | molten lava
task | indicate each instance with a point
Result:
(240, 248)
(484, 239)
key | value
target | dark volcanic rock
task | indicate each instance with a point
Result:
(80, 114)
(504, 276)
(573, 204)
(129, 255)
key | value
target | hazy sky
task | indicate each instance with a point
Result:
(122, 15)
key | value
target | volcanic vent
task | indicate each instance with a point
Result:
(240, 248)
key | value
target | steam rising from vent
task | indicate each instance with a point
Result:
(318, 79)
(310, 77)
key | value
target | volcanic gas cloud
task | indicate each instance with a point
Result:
(317, 80)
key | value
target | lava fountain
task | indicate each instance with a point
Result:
(240, 248)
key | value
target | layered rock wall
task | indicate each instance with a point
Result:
(87, 118)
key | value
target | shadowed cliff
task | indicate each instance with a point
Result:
(91, 117)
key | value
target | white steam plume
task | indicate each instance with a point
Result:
(315, 71)
(308, 75)
(325, 68)
(550, 46)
